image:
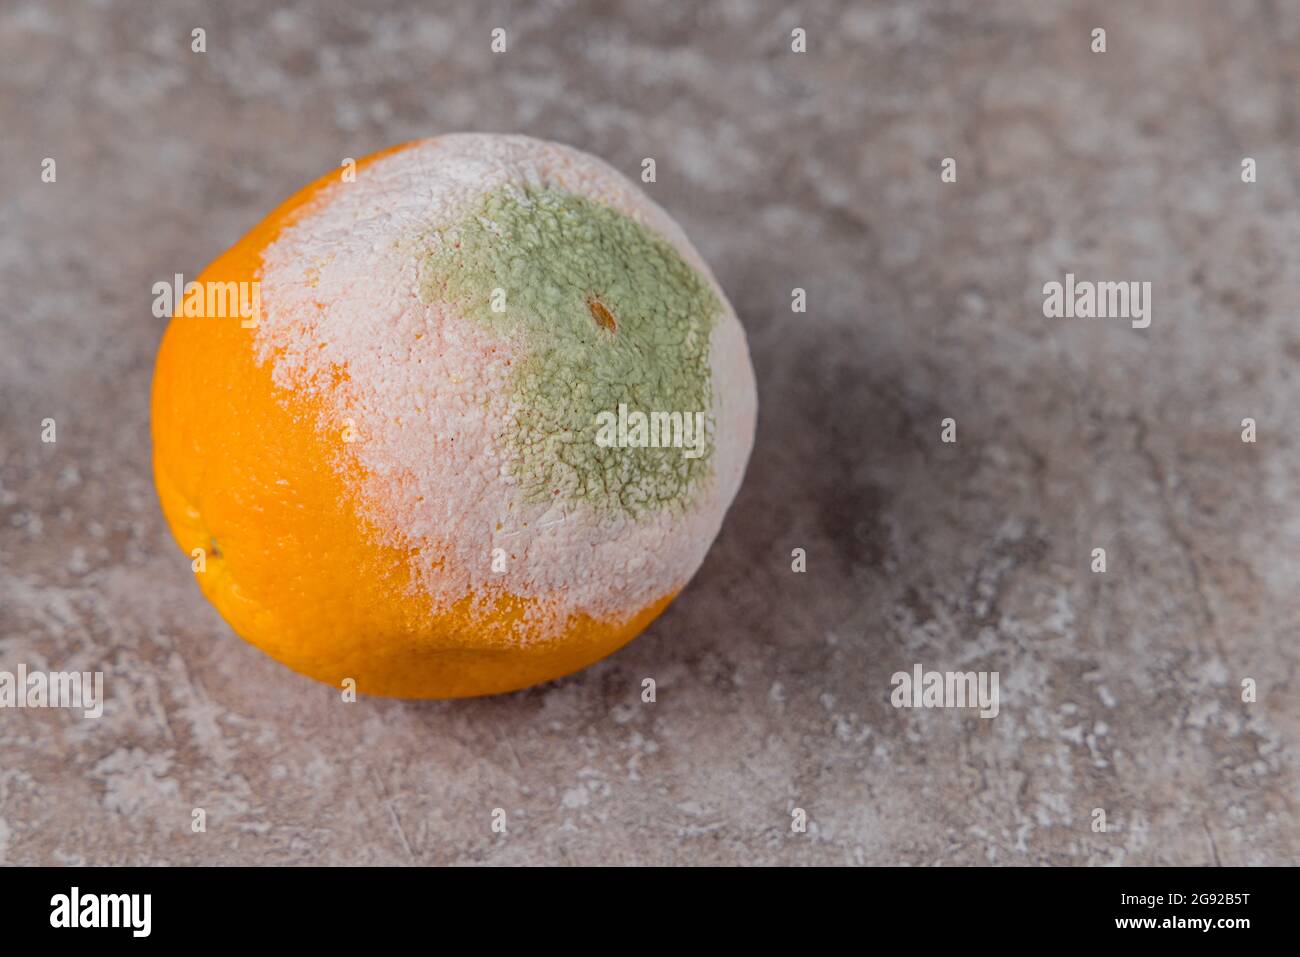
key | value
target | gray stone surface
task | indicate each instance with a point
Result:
(1119, 691)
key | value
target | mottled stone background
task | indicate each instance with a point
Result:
(1119, 691)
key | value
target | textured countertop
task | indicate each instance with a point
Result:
(1119, 690)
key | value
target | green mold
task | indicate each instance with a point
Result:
(607, 313)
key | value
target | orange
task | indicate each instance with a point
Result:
(258, 490)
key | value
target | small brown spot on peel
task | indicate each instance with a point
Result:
(604, 318)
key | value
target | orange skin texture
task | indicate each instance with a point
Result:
(244, 472)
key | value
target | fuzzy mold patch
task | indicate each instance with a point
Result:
(604, 312)
(367, 310)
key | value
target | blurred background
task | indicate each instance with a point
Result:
(816, 170)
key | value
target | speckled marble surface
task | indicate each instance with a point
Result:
(1119, 691)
